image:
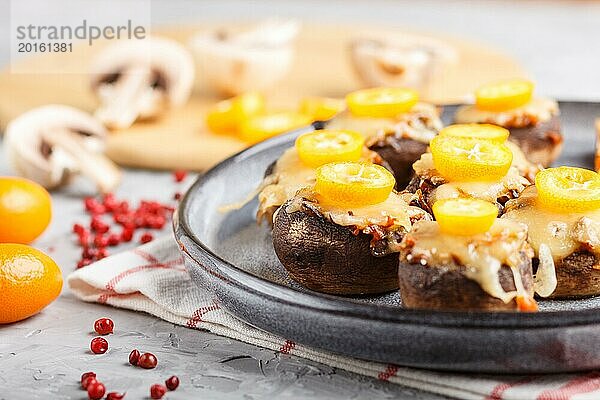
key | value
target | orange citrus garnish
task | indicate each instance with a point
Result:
(354, 183)
(321, 108)
(494, 133)
(264, 126)
(526, 304)
(381, 102)
(464, 216)
(25, 210)
(568, 189)
(467, 159)
(325, 146)
(226, 116)
(29, 281)
(505, 95)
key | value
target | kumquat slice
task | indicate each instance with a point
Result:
(568, 189)
(381, 102)
(264, 126)
(464, 216)
(505, 95)
(325, 146)
(468, 159)
(491, 132)
(354, 183)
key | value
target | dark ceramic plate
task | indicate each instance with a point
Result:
(233, 257)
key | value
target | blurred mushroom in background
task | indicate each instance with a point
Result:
(406, 61)
(254, 59)
(141, 79)
(53, 143)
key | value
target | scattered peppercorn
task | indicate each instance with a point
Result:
(147, 361)
(115, 396)
(157, 391)
(99, 345)
(95, 239)
(172, 383)
(104, 326)
(134, 357)
(96, 390)
(179, 175)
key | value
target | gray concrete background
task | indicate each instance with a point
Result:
(44, 356)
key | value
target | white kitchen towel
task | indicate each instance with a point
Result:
(152, 278)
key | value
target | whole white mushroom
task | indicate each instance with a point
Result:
(51, 144)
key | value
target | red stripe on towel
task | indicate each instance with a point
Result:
(287, 347)
(390, 371)
(104, 296)
(199, 313)
(581, 384)
(146, 256)
(498, 391)
(110, 285)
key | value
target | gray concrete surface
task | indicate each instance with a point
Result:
(44, 356)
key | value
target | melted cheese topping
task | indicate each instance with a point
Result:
(290, 175)
(489, 191)
(391, 214)
(482, 255)
(422, 123)
(521, 163)
(537, 110)
(564, 234)
(386, 222)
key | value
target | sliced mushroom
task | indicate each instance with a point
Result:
(407, 61)
(255, 59)
(140, 79)
(53, 143)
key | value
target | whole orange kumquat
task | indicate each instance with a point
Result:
(25, 210)
(29, 281)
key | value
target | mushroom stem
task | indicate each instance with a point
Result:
(105, 174)
(133, 98)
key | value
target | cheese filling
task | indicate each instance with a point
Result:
(422, 123)
(537, 110)
(482, 255)
(562, 233)
(289, 175)
(484, 190)
(388, 220)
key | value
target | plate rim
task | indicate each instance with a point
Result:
(347, 307)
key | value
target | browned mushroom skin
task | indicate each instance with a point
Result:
(400, 154)
(448, 288)
(330, 258)
(541, 142)
(577, 275)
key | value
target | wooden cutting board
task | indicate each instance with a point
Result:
(180, 139)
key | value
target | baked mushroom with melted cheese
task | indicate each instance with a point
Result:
(341, 235)
(466, 260)
(295, 169)
(466, 166)
(395, 124)
(562, 212)
(533, 121)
